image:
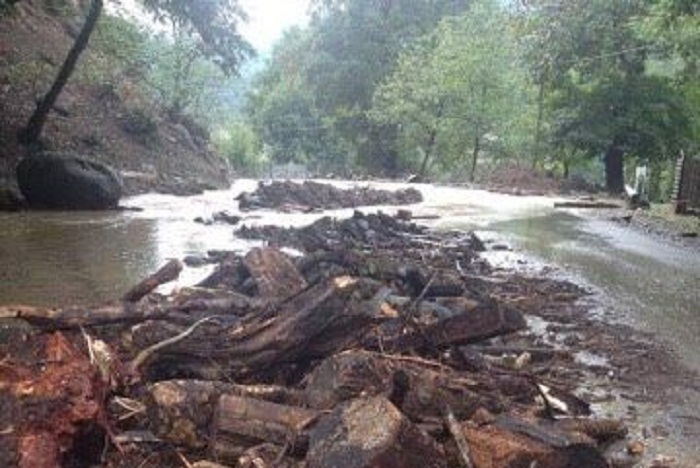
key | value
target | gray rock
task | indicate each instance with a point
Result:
(57, 181)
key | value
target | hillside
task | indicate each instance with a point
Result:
(103, 117)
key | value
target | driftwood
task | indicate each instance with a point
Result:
(168, 272)
(515, 442)
(75, 317)
(426, 386)
(587, 204)
(275, 275)
(469, 327)
(325, 315)
(371, 433)
(210, 414)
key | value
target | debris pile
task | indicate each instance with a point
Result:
(366, 351)
(311, 196)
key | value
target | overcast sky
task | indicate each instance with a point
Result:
(268, 18)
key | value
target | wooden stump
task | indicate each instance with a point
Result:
(371, 433)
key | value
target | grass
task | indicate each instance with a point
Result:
(680, 223)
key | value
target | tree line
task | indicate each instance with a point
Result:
(432, 87)
(439, 86)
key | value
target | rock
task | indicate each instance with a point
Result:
(226, 217)
(51, 180)
(371, 433)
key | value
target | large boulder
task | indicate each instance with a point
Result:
(51, 180)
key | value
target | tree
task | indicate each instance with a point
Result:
(602, 99)
(355, 45)
(212, 22)
(35, 125)
(283, 112)
(460, 85)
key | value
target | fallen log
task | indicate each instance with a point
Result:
(247, 418)
(525, 444)
(227, 418)
(323, 316)
(371, 433)
(275, 275)
(45, 408)
(167, 273)
(469, 327)
(420, 388)
(76, 317)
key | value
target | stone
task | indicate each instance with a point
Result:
(371, 433)
(57, 181)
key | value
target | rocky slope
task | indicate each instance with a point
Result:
(106, 119)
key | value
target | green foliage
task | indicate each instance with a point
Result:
(596, 60)
(282, 109)
(239, 145)
(212, 24)
(438, 85)
(183, 79)
(30, 73)
(459, 90)
(118, 51)
(311, 102)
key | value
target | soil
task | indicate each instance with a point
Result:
(106, 119)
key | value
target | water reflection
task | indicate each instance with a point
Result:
(649, 282)
(59, 258)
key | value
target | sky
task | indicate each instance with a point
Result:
(268, 18)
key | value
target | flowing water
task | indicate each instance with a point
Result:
(52, 258)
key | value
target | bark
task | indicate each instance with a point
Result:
(419, 388)
(371, 433)
(275, 275)
(322, 316)
(31, 133)
(59, 319)
(432, 139)
(168, 272)
(466, 328)
(514, 442)
(475, 157)
(199, 414)
(614, 169)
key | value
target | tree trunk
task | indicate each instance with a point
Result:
(432, 138)
(30, 134)
(475, 157)
(538, 127)
(614, 170)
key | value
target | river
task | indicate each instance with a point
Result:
(52, 258)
